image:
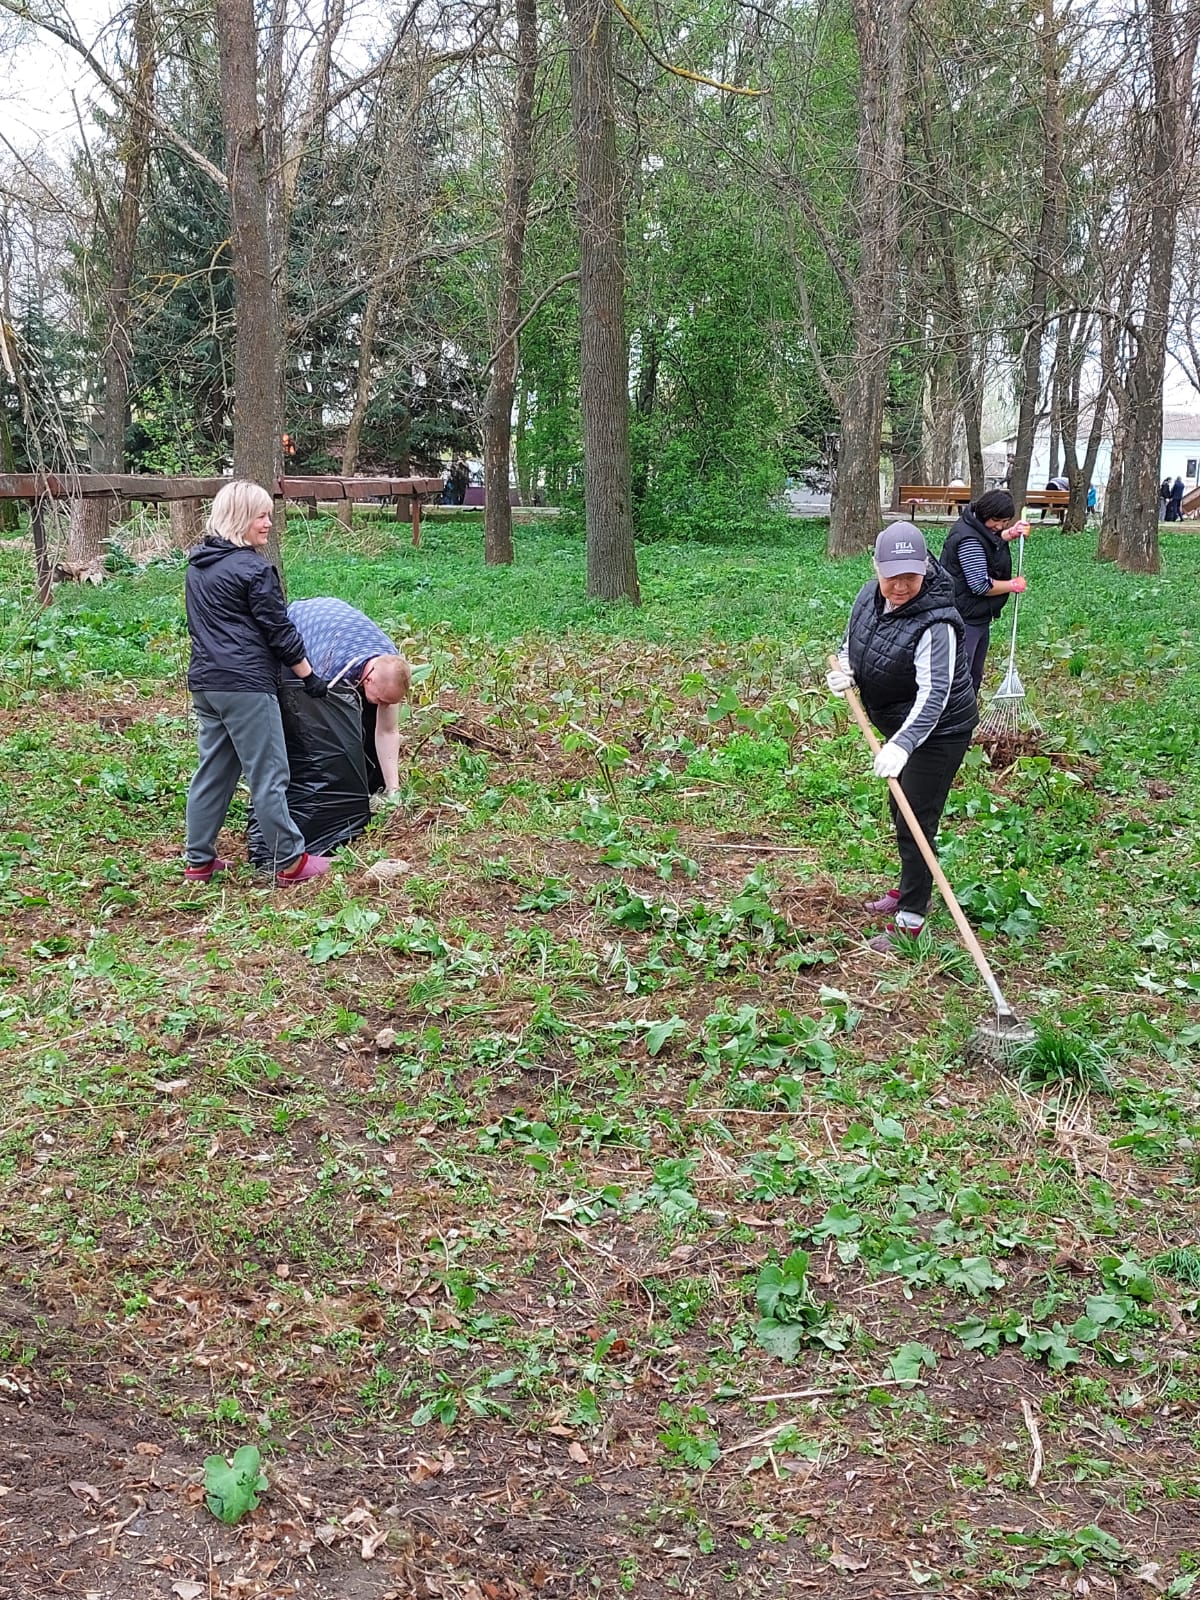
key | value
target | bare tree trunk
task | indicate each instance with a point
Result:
(9, 513)
(1108, 543)
(941, 413)
(970, 390)
(498, 403)
(1171, 48)
(118, 350)
(257, 418)
(525, 478)
(362, 394)
(1046, 250)
(603, 350)
(185, 523)
(881, 30)
(86, 533)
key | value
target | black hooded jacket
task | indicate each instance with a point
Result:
(976, 609)
(881, 647)
(237, 619)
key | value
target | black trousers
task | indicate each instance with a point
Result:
(926, 779)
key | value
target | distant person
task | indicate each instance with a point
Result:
(1093, 500)
(1175, 501)
(459, 480)
(1059, 485)
(241, 636)
(902, 649)
(353, 650)
(977, 557)
(1164, 498)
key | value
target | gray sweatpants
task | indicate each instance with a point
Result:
(240, 733)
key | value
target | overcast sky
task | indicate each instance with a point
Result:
(39, 77)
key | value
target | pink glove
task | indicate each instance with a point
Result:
(1018, 586)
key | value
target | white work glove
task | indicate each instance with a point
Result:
(889, 763)
(839, 681)
(384, 802)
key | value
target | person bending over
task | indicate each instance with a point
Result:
(979, 562)
(903, 650)
(241, 636)
(344, 644)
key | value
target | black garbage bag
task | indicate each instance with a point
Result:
(327, 795)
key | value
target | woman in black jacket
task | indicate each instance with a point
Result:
(240, 636)
(977, 557)
(903, 649)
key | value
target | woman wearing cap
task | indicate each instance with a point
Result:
(903, 650)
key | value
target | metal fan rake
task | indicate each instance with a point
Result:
(1009, 714)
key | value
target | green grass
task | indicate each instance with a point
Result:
(597, 1125)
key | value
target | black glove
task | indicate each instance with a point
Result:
(315, 685)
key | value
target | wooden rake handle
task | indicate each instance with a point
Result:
(965, 929)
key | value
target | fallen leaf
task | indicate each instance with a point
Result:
(919, 1574)
(386, 1038)
(174, 1087)
(187, 1589)
(85, 1491)
(143, 1448)
(843, 1561)
(577, 1453)
(1149, 1574)
(371, 1542)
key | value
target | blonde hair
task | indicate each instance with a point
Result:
(235, 507)
(391, 678)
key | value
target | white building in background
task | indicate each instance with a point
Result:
(1180, 452)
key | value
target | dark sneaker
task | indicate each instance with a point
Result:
(894, 938)
(205, 874)
(306, 868)
(886, 906)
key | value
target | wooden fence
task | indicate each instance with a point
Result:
(41, 489)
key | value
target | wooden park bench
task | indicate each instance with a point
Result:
(1044, 500)
(1189, 506)
(953, 496)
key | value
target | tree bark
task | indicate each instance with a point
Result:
(1047, 249)
(1171, 48)
(186, 527)
(86, 533)
(362, 395)
(498, 402)
(604, 350)
(881, 30)
(118, 349)
(257, 415)
(9, 511)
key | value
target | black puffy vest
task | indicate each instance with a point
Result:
(882, 647)
(976, 608)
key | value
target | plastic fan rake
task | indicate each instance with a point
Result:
(1008, 712)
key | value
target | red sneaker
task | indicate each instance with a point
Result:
(306, 868)
(887, 904)
(196, 874)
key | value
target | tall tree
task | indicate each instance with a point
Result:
(881, 32)
(518, 185)
(604, 350)
(1171, 41)
(135, 150)
(257, 417)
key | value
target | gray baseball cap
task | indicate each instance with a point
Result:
(900, 548)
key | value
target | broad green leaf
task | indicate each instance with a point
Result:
(232, 1488)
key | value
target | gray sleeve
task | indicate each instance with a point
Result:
(937, 650)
